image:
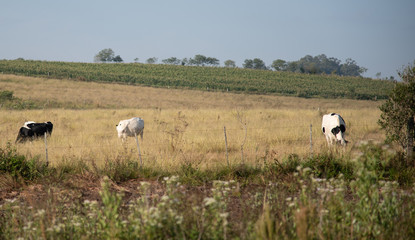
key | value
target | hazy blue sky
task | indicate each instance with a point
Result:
(377, 34)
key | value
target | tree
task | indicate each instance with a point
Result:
(201, 60)
(255, 63)
(398, 112)
(212, 61)
(279, 65)
(350, 68)
(117, 59)
(185, 61)
(229, 64)
(292, 66)
(105, 55)
(259, 64)
(172, 61)
(136, 60)
(151, 60)
(198, 60)
(248, 63)
(320, 64)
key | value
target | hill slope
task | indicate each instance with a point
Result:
(207, 78)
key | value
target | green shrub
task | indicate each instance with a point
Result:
(8, 101)
(328, 165)
(121, 169)
(18, 166)
(6, 96)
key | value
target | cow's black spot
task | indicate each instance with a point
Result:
(342, 128)
(335, 130)
(324, 130)
(333, 114)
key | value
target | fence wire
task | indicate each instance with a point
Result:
(306, 140)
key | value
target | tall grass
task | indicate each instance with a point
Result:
(180, 126)
(172, 137)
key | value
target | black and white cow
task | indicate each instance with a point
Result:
(32, 130)
(333, 127)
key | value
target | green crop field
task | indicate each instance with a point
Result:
(206, 78)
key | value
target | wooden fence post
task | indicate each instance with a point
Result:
(139, 152)
(46, 149)
(311, 140)
(226, 146)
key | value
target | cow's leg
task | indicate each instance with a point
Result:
(328, 139)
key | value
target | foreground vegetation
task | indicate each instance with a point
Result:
(325, 197)
(206, 78)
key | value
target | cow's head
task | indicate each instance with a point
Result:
(121, 127)
(338, 133)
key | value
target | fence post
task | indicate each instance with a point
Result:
(139, 152)
(311, 140)
(46, 149)
(226, 145)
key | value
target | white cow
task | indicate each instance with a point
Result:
(333, 127)
(130, 128)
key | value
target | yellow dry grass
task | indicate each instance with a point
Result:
(181, 126)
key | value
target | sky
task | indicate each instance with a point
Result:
(378, 34)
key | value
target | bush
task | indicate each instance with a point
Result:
(8, 101)
(6, 96)
(18, 166)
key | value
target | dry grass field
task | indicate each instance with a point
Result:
(181, 126)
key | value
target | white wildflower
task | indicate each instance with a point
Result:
(40, 212)
(11, 200)
(144, 183)
(224, 215)
(307, 169)
(57, 228)
(179, 220)
(208, 201)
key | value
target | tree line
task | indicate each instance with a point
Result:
(320, 64)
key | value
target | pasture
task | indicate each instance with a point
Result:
(180, 125)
